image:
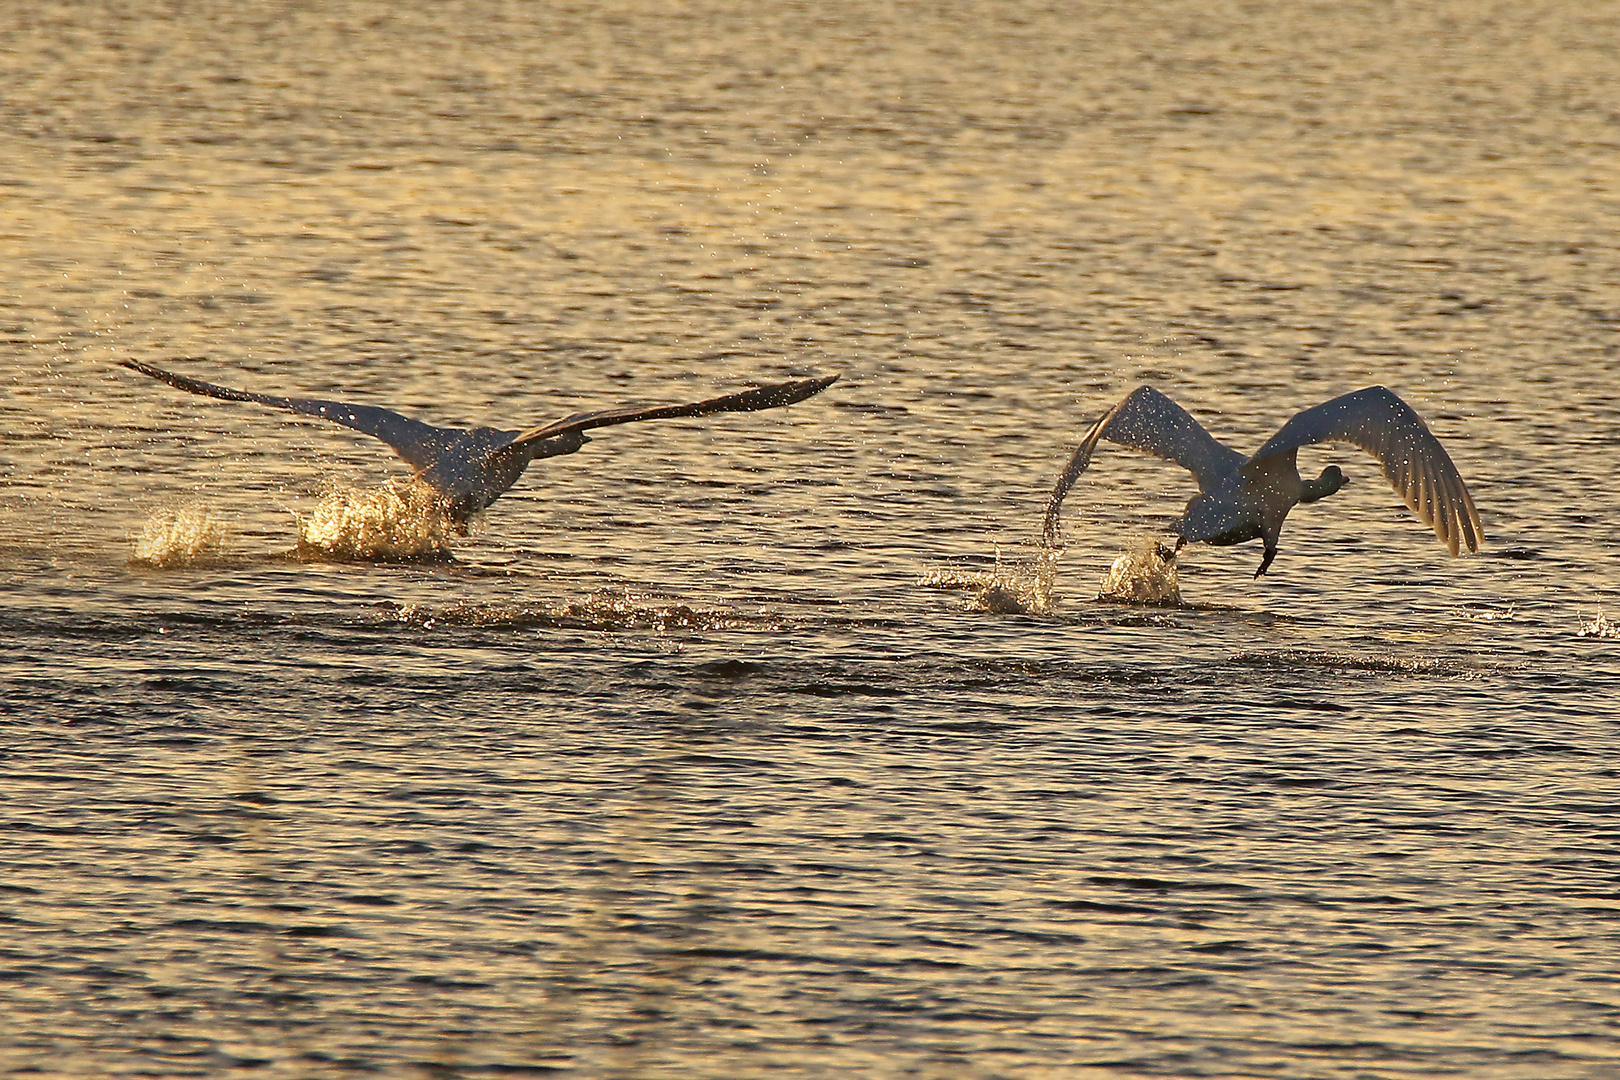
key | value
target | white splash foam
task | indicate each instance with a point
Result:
(403, 519)
(1599, 627)
(1485, 615)
(188, 535)
(1016, 589)
(1142, 575)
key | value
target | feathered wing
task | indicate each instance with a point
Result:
(760, 397)
(416, 442)
(1414, 462)
(1148, 421)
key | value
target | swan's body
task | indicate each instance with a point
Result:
(1248, 498)
(471, 467)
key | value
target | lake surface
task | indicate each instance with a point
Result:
(684, 764)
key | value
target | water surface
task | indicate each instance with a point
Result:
(679, 766)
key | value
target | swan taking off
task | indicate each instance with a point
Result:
(470, 468)
(1249, 498)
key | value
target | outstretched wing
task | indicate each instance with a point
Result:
(416, 442)
(1148, 421)
(1414, 461)
(761, 397)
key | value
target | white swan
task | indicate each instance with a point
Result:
(471, 468)
(1248, 498)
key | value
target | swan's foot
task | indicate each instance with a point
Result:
(1167, 553)
(1271, 553)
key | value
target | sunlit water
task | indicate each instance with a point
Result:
(686, 762)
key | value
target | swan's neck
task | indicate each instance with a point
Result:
(1320, 488)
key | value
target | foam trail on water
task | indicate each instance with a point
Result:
(604, 609)
(1142, 575)
(188, 535)
(403, 519)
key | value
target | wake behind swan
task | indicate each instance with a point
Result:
(1019, 588)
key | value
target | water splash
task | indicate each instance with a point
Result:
(188, 535)
(1008, 589)
(1599, 627)
(1142, 575)
(403, 519)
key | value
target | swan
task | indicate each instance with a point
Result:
(1248, 498)
(470, 468)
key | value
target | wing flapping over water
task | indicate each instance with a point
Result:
(773, 396)
(412, 440)
(1147, 421)
(1414, 462)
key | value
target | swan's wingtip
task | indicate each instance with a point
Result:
(149, 369)
(800, 389)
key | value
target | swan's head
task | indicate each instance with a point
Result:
(1331, 480)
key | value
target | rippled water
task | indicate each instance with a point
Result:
(769, 742)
